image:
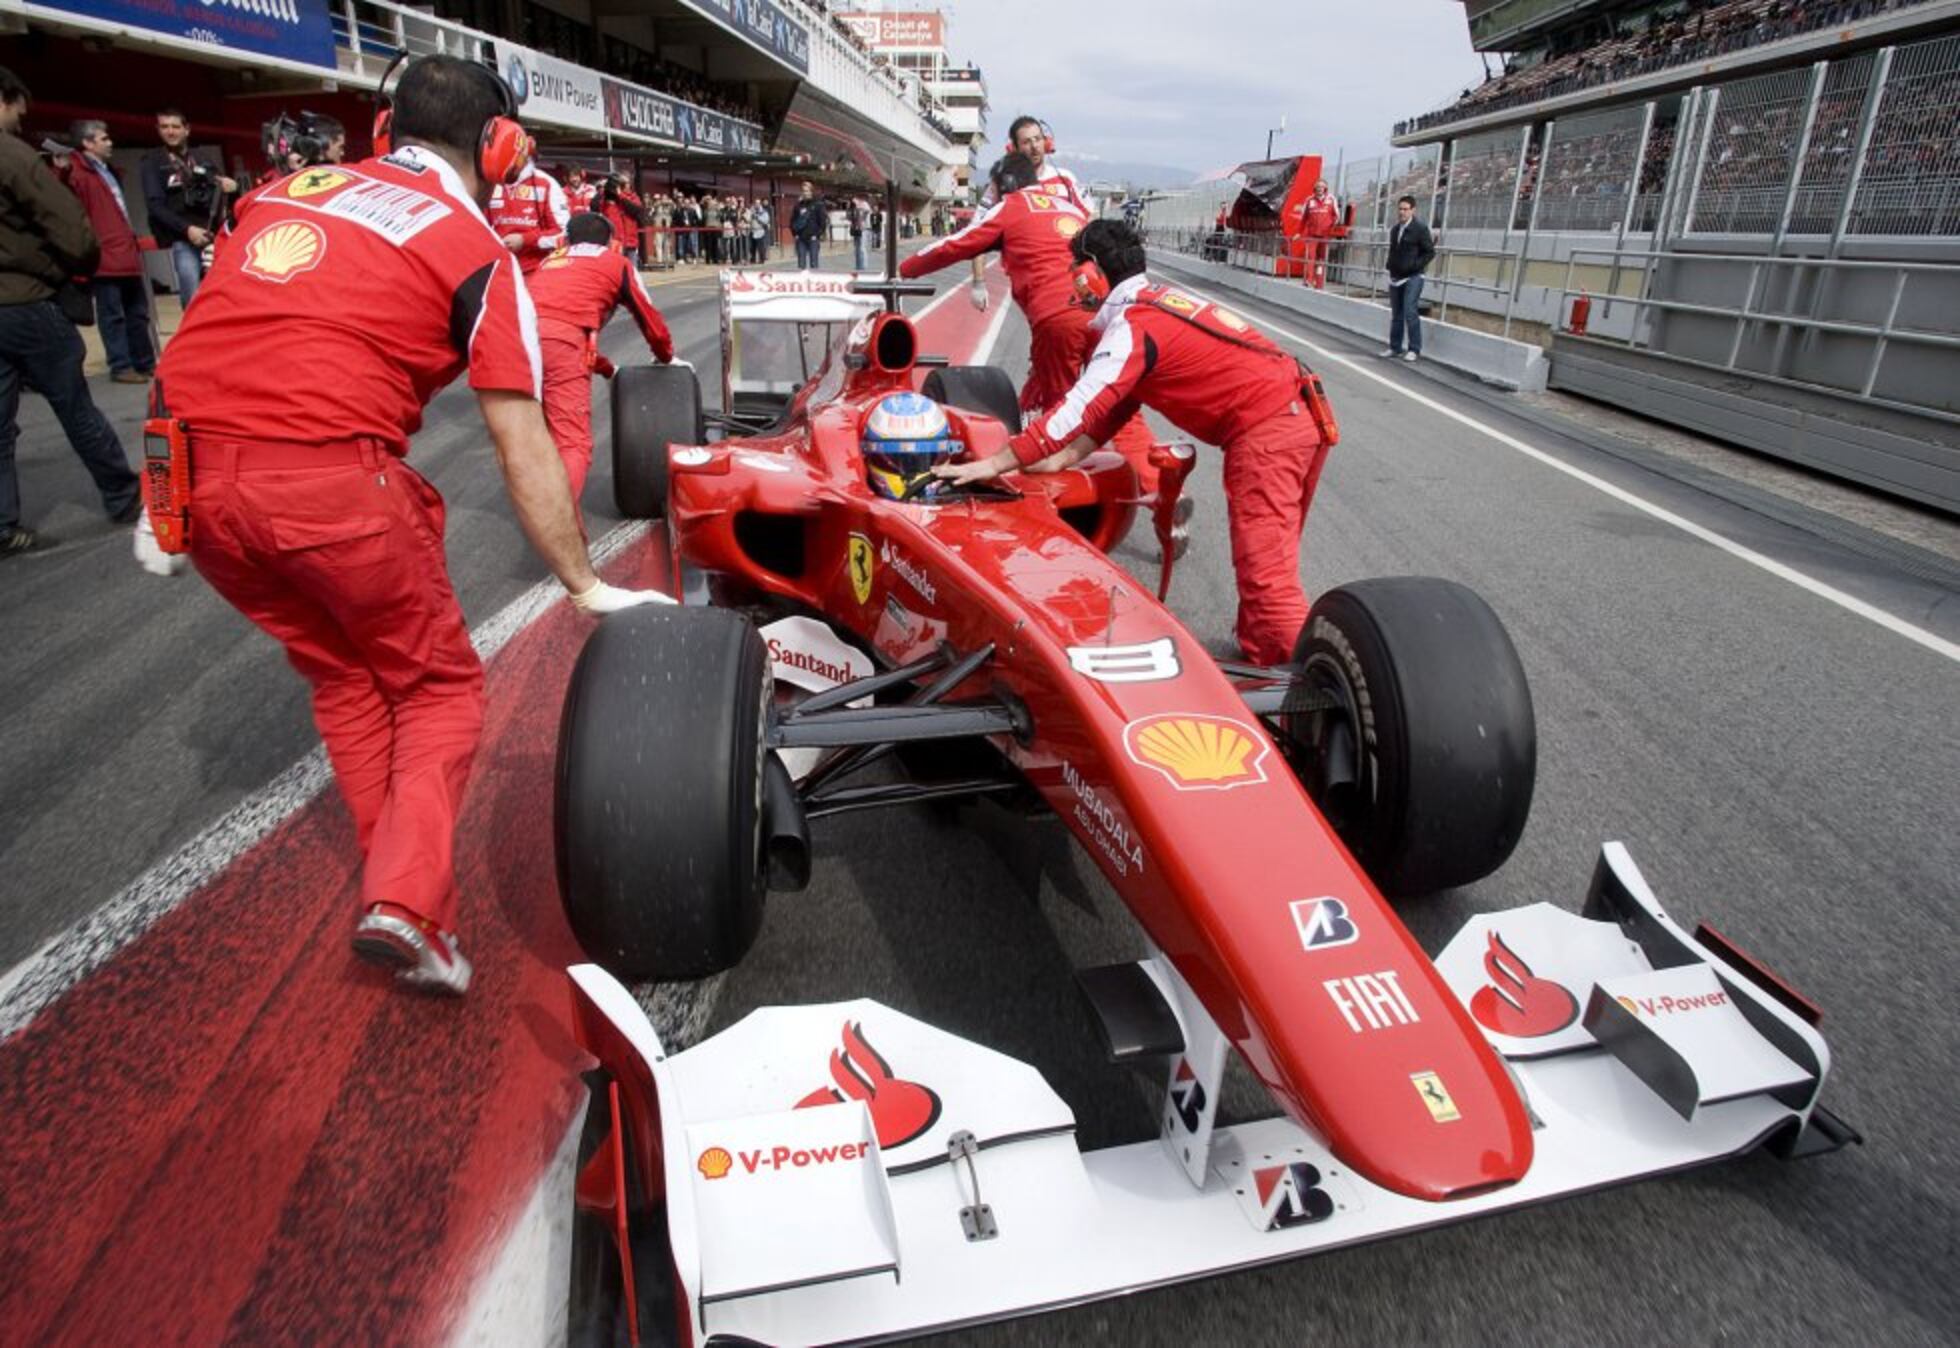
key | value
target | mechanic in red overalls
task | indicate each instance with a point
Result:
(1214, 377)
(1030, 136)
(343, 300)
(1032, 229)
(576, 290)
(529, 215)
(579, 194)
(1321, 216)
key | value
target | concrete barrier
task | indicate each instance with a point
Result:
(1518, 366)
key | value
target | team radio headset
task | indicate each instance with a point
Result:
(503, 150)
(1047, 140)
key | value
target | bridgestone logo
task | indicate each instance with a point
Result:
(286, 11)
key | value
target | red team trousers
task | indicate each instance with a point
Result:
(568, 398)
(336, 552)
(1270, 473)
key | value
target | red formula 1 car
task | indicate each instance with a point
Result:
(845, 1172)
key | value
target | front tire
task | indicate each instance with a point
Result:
(658, 818)
(1428, 768)
(653, 407)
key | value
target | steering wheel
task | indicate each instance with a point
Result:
(917, 485)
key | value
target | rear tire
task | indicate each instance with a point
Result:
(653, 406)
(658, 819)
(1427, 771)
(977, 388)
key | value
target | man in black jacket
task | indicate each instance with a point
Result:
(808, 223)
(1409, 249)
(45, 241)
(186, 196)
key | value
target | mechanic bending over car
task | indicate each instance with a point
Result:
(1214, 378)
(340, 303)
(1032, 227)
(576, 290)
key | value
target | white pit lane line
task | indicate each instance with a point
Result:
(1890, 622)
(74, 954)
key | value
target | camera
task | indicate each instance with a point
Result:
(201, 190)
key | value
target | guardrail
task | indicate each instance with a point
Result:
(1882, 334)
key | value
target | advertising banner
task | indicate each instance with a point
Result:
(643, 112)
(550, 90)
(761, 22)
(909, 29)
(293, 30)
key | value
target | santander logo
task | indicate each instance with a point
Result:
(900, 1110)
(1518, 1002)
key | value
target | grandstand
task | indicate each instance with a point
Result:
(1758, 201)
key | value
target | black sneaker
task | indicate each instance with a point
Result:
(18, 541)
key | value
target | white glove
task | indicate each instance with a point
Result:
(978, 294)
(603, 598)
(152, 558)
(682, 363)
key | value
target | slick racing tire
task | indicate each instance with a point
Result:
(653, 406)
(658, 812)
(1426, 771)
(977, 388)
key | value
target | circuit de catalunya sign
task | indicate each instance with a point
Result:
(292, 30)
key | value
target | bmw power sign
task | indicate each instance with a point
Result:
(551, 91)
(517, 78)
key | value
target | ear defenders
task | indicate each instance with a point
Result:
(1091, 287)
(1047, 139)
(503, 148)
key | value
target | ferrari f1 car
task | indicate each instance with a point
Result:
(845, 1172)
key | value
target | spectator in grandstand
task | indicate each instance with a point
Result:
(576, 291)
(122, 293)
(305, 516)
(1218, 379)
(808, 224)
(1410, 247)
(186, 196)
(45, 240)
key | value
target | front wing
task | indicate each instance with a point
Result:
(845, 1173)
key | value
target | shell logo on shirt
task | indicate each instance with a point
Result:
(1229, 319)
(313, 182)
(285, 250)
(1067, 226)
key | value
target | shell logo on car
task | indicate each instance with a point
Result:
(714, 1163)
(285, 250)
(1196, 752)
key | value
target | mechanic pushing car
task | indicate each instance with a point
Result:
(1032, 228)
(1215, 378)
(359, 291)
(576, 290)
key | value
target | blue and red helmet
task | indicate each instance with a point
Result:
(904, 435)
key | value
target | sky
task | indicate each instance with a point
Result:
(1197, 83)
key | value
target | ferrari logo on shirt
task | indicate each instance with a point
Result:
(285, 250)
(1436, 1096)
(1184, 304)
(862, 566)
(1067, 226)
(313, 182)
(1041, 201)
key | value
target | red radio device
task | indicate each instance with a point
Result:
(167, 482)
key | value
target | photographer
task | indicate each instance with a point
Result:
(291, 145)
(621, 207)
(186, 196)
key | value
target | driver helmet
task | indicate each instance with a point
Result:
(906, 434)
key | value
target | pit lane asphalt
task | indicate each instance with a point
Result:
(1777, 765)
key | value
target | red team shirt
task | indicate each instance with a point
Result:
(1032, 229)
(534, 206)
(1205, 368)
(580, 286)
(385, 283)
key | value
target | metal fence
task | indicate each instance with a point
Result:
(1483, 180)
(1748, 150)
(1589, 169)
(1910, 180)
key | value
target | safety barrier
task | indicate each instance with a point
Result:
(1518, 366)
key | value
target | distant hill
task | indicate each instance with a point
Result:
(1092, 168)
